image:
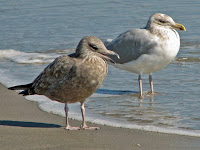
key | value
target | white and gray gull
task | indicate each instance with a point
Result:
(73, 78)
(149, 49)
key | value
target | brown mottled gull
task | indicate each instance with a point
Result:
(73, 78)
(147, 50)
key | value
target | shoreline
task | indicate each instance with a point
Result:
(24, 126)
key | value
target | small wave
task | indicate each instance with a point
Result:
(60, 51)
(107, 41)
(187, 59)
(27, 58)
(190, 44)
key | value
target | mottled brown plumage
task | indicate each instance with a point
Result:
(73, 78)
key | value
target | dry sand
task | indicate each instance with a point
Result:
(24, 126)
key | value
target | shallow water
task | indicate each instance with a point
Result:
(34, 33)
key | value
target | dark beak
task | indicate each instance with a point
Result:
(108, 52)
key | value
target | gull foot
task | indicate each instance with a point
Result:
(140, 97)
(72, 128)
(151, 93)
(90, 128)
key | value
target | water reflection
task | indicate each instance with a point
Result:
(114, 92)
(147, 96)
(126, 106)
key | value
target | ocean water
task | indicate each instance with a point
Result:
(34, 33)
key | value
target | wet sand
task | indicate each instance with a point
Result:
(24, 126)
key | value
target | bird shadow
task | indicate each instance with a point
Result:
(115, 92)
(28, 124)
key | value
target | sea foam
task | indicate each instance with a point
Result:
(26, 58)
(74, 112)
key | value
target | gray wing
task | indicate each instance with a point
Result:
(131, 44)
(61, 68)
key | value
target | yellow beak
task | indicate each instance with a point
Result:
(179, 26)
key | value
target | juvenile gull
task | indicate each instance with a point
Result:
(73, 78)
(149, 49)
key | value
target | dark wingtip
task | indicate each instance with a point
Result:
(10, 88)
(27, 90)
(25, 93)
(21, 87)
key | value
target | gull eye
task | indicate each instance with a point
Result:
(162, 21)
(94, 47)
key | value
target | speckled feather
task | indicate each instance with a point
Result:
(72, 78)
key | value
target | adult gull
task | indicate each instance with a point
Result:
(72, 78)
(149, 49)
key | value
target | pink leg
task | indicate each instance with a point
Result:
(140, 85)
(151, 83)
(84, 125)
(68, 127)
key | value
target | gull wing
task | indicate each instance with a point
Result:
(132, 44)
(61, 67)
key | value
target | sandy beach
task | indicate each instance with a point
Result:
(24, 126)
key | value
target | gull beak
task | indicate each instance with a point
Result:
(179, 26)
(112, 53)
(108, 52)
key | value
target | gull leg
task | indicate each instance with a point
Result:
(84, 125)
(68, 127)
(140, 84)
(151, 83)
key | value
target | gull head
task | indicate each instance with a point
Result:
(163, 21)
(91, 45)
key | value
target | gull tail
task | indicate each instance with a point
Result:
(25, 88)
